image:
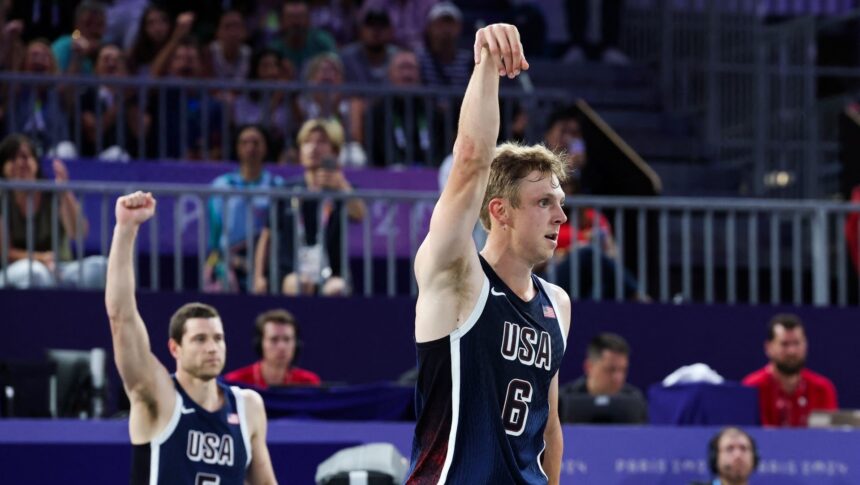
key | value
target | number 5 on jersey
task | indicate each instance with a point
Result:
(516, 410)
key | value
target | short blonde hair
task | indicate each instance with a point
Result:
(317, 62)
(331, 127)
(511, 164)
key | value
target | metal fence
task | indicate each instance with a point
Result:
(671, 249)
(196, 119)
(756, 82)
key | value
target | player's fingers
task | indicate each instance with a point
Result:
(517, 54)
(505, 52)
(479, 44)
(493, 46)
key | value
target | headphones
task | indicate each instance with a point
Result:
(258, 336)
(714, 450)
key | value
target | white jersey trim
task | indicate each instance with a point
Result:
(243, 423)
(155, 444)
(455, 337)
(540, 465)
(549, 293)
(470, 322)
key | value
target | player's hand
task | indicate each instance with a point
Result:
(134, 209)
(503, 43)
(261, 285)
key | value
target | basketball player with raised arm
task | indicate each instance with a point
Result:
(490, 334)
(187, 428)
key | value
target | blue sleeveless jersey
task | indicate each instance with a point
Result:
(482, 391)
(197, 447)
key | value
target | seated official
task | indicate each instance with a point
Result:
(602, 395)
(277, 342)
(732, 457)
(788, 391)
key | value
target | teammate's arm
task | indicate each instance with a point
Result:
(260, 471)
(146, 381)
(552, 437)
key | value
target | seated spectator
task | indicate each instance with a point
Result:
(788, 391)
(409, 18)
(43, 267)
(588, 41)
(404, 124)
(315, 266)
(227, 267)
(443, 62)
(565, 134)
(153, 33)
(36, 110)
(278, 343)
(75, 52)
(337, 17)
(732, 457)
(182, 128)
(299, 42)
(366, 61)
(229, 56)
(273, 110)
(102, 106)
(606, 363)
(181, 35)
(326, 70)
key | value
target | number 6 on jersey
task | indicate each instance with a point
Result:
(516, 410)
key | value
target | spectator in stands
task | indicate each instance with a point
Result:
(314, 266)
(409, 18)
(274, 110)
(337, 17)
(153, 33)
(443, 62)
(36, 110)
(577, 238)
(227, 267)
(11, 48)
(606, 363)
(326, 71)
(180, 36)
(182, 131)
(43, 267)
(278, 343)
(732, 457)
(75, 52)
(591, 41)
(404, 124)
(299, 41)
(366, 61)
(110, 114)
(788, 392)
(229, 56)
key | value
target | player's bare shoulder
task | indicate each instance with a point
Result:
(562, 300)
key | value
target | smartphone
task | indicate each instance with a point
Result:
(329, 163)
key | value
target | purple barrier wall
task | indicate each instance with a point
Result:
(79, 452)
(383, 222)
(361, 340)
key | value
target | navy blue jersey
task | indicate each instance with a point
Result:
(482, 391)
(197, 447)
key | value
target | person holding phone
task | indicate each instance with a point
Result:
(314, 266)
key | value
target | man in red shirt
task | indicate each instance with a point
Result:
(788, 391)
(277, 343)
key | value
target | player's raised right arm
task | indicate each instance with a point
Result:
(498, 51)
(143, 376)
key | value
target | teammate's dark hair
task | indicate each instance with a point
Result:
(789, 321)
(607, 341)
(186, 311)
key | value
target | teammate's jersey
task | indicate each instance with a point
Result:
(197, 447)
(482, 391)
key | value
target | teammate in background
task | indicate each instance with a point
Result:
(187, 428)
(490, 334)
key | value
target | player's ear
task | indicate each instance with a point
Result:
(498, 209)
(173, 347)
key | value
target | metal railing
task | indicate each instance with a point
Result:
(184, 118)
(671, 249)
(754, 82)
